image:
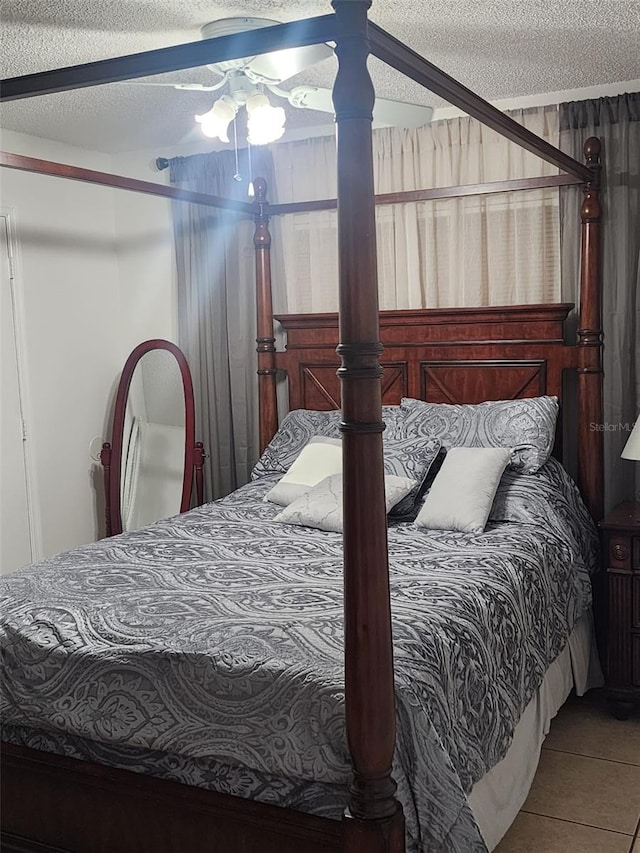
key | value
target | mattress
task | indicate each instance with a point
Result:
(208, 648)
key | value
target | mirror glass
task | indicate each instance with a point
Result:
(153, 460)
(153, 443)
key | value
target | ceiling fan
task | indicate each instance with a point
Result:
(245, 80)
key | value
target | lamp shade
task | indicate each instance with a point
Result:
(632, 447)
(216, 122)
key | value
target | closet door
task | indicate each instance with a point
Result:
(15, 538)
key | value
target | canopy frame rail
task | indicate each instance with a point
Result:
(410, 64)
(435, 193)
(167, 59)
(106, 179)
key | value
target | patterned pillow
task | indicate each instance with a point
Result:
(393, 417)
(527, 427)
(321, 506)
(299, 427)
(411, 458)
(296, 430)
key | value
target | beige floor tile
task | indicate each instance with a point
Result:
(605, 794)
(636, 846)
(535, 834)
(585, 726)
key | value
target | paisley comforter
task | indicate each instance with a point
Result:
(207, 648)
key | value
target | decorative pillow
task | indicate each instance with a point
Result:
(296, 431)
(299, 427)
(321, 506)
(320, 458)
(393, 417)
(411, 458)
(525, 426)
(462, 493)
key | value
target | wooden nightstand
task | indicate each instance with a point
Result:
(621, 549)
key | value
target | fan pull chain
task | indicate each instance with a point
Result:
(250, 191)
(237, 176)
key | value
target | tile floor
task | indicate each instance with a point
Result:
(586, 794)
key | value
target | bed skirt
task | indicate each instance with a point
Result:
(496, 799)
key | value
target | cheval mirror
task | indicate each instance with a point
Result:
(150, 464)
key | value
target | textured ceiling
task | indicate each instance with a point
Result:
(499, 48)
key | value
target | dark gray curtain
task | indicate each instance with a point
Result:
(217, 313)
(616, 122)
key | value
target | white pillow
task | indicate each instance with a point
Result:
(462, 493)
(320, 458)
(321, 506)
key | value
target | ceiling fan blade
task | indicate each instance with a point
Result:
(279, 65)
(309, 98)
(189, 87)
(386, 113)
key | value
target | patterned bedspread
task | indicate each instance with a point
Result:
(208, 648)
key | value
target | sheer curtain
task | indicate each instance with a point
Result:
(492, 250)
(616, 121)
(217, 315)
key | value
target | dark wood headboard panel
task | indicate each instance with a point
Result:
(464, 355)
(441, 355)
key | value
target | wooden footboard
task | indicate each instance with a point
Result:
(61, 805)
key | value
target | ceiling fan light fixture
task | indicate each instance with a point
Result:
(215, 123)
(265, 123)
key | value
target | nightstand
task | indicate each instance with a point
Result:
(621, 549)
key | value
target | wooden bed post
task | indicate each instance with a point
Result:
(267, 400)
(590, 411)
(374, 821)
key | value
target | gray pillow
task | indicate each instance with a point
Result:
(299, 427)
(527, 427)
(295, 432)
(411, 458)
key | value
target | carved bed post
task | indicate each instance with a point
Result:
(373, 821)
(267, 400)
(590, 411)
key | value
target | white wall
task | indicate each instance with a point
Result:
(95, 275)
(145, 254)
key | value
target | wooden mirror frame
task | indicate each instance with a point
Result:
(111, 454)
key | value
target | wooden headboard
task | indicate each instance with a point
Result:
(462, 355)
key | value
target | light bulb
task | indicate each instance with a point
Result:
(216, 122)
(265, 123)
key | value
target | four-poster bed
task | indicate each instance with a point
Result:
(455, 356)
